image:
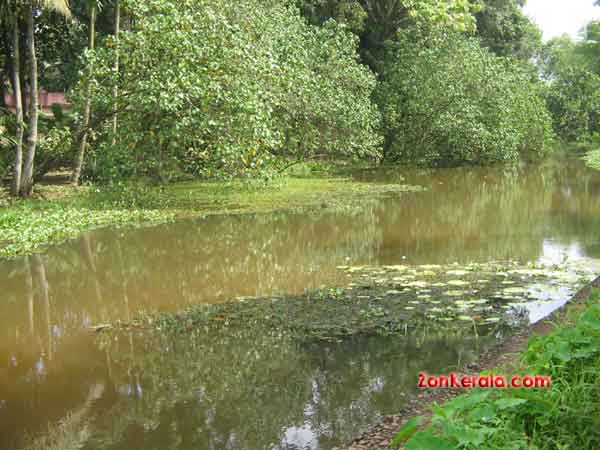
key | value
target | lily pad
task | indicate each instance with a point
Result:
(515, 290)
(492, 320)
(458, 273)
(454, 293)
(396, 268)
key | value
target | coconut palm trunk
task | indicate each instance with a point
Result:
(87, 112)
(16, 75)
(116, 67)
(32, 136)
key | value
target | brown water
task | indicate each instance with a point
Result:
(246, 390)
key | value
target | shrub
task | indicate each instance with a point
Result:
(224, 88)
(592, 159)
(573, 98)
(447, 100)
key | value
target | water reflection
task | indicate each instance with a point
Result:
(269, 392)
(145, 394)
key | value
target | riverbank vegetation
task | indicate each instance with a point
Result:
(210, 90)
(59, 213)
(561, 417)
(163, 96)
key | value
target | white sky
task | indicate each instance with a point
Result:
(556, 17)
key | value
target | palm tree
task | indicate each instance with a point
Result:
(23, 174)
(16, 74)
(9, 18)
(61, 6)
(117, 19)
(94, 5)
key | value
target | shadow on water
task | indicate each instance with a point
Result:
(251, 390)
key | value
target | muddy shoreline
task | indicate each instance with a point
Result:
(380, 435)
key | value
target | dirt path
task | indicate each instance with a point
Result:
(380, 435)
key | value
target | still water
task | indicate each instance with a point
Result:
(63, 387)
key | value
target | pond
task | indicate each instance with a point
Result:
(65, 386)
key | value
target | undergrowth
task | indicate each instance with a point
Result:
(565, 417)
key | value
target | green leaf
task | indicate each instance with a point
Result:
(407, 431)
(426, 440)
(506, 403)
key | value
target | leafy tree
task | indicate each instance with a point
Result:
(506, 30)
(212, 88)
(377, 21)
(12, 14)
(592, 159)
(447, 100)
(573, 85)
(589, 47)
(60, 44)
(83, 134)
(11, 21)
(117, 30)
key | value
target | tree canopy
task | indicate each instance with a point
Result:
(212, 87)
(205, 88)
(448, 100)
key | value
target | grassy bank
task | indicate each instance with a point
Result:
(567, 416)
(58, 213)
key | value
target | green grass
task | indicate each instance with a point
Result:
(58, 213)
(565, 417)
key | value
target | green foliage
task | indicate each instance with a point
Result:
(66, 212)
(589, 47)
(507, 31)
(574, 101)
(378, 21)
(54, 149)
(128, 195)
(59, 44)
(573, 91)
(221, 89)
(592, 159)
(563, 417)
(447, 100)
(6, 144)
(27, 226)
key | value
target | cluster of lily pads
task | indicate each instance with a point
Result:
(476, 292)
(397, 299)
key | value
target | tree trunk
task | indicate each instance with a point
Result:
(116, 68)
(88, 107)
(32, 137)
(2, 94)
(16, 75)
